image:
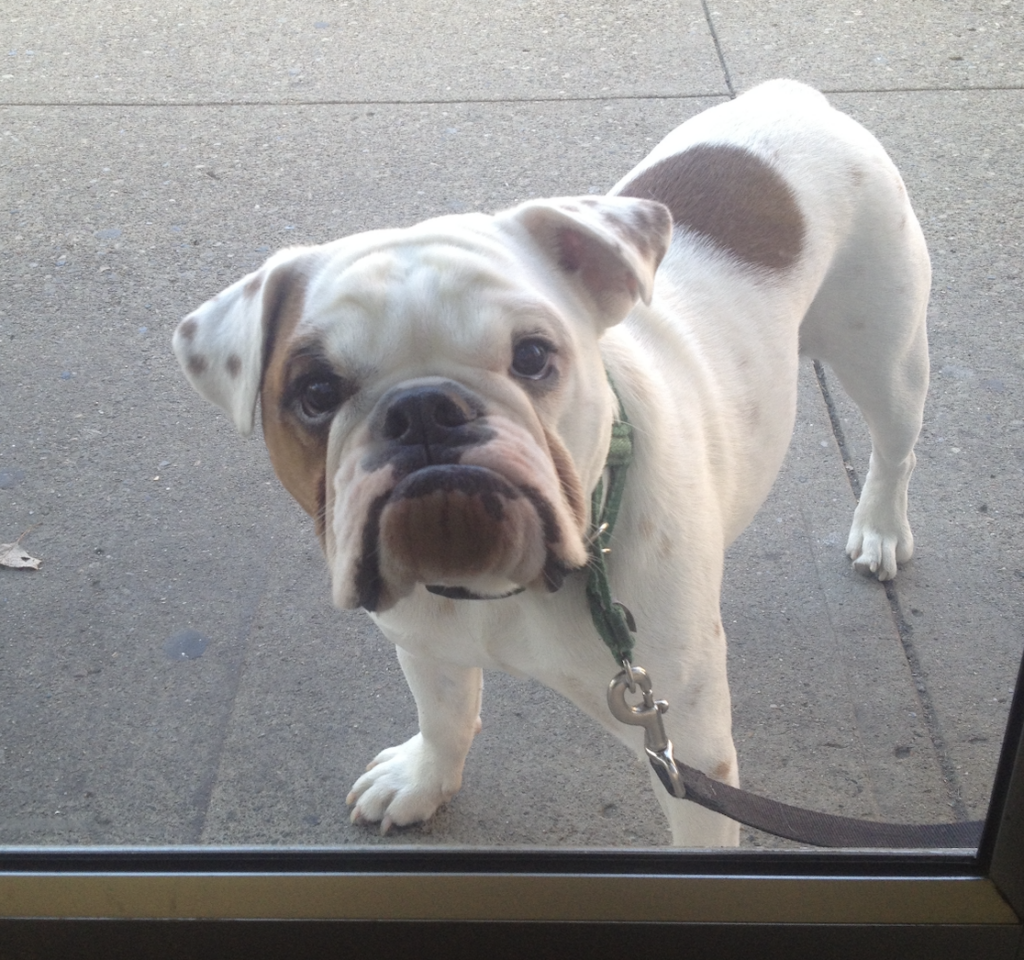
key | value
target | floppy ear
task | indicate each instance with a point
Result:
(222, 345)
(609, 246)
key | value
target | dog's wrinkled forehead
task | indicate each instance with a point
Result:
(418, 302)
(444, 296)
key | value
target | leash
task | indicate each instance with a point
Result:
(616, 626)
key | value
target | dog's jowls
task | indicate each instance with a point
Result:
(438, 399)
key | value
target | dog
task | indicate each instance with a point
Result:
(440, 400)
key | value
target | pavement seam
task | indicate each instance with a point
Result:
(718, 48)
(840, 654)
(202, 795)
(837, 430)
(440, 102)
(904, 630)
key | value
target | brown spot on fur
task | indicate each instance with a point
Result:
(644, 229)
(722, 771)
(197, 364)
(320, 517)
(570, 250)
(234, 365)
(298, 455)
(448, 609)
(731, 197)
(188, 329)
(572, 488)
(253, 285)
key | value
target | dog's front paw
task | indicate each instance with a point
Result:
(404, 784)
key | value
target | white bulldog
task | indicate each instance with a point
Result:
(440, 400)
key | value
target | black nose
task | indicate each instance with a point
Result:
(427, 416)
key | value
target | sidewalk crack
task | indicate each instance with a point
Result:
(904, 630)
(718, 49)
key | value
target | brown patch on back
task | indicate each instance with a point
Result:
(234, 365)
(299, 456)
(731, 197)
(196, 365)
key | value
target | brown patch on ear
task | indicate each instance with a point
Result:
(188, 329)
(731, 197)
(298, 455)
(602, 270)
(253, 284)
(570, 248)
(580, 253)
(572, 488)
(645, 228)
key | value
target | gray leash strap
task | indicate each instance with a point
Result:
(771, 816)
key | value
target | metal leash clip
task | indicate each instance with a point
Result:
(646, 714)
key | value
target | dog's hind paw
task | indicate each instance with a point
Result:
(875, 553)
(880, 536)
(403, 785)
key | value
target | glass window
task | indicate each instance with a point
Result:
(183, 710)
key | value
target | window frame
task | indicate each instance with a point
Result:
(943, 903)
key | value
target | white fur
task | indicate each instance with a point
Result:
(707, 372)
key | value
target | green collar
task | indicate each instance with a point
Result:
(613, 621)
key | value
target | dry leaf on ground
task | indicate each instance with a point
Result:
(12, 555)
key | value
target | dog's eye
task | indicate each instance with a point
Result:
(321, 396)
(531, 358)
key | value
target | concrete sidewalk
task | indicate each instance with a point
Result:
(175, 673)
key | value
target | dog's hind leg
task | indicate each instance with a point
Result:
(868, 323)
(880, 536)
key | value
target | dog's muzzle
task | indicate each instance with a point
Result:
(447, 515)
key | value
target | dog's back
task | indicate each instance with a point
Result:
(793, 234)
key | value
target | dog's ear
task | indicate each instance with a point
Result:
(223, 346)
(610, 246)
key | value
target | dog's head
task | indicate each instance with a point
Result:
(434, 397)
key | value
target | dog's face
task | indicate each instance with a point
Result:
(434, 397)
